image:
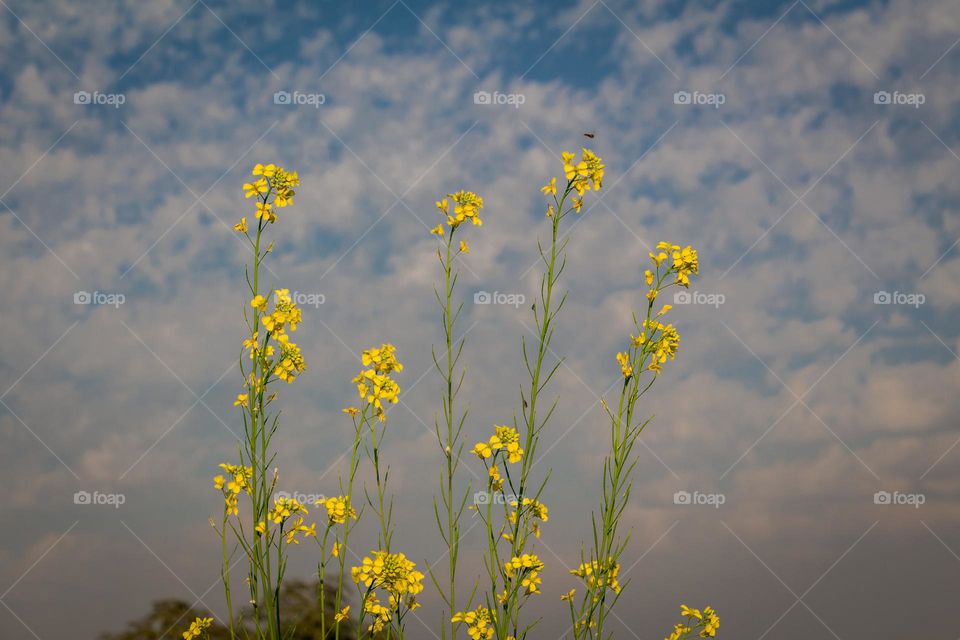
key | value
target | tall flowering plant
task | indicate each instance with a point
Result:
(640, 366)
(513, 513)
(268, 357)
(449, 508)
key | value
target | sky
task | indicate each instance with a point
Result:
(800, 472)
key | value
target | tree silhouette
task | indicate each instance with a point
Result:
(300, 604)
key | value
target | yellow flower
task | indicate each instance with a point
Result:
(648, 276)
(464, 247)
(482, 450)
(595, 167)
(550, 189)
(352, 411)
(259, 303)
(571, 170)
(466, 206)
(596, 574)
(264, 211)
(197, 627)
(218, 482)
(550, 211)
(437, 230)
(392, 572)
(338, 509)
(257, 188)
(291, 362)
(685, 263)
(241, 400)
(260, 170)
(285, 508)
(383, 358)
(577, 204)
(478, 622)
(569, 595)
(528, 566)
(496, 481)
(342, 614)
(625, 367)
(241, 226)
(508, 439)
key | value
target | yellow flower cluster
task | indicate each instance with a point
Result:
(596, 574)
(271, 180)
(239, 481)
(338, 509)
(706, 621)
(197, 628)
(394, 574)
(285, 315)
(466, 206)
(685, 262)
(291, 362)
(535, 510)
(374, 385)
(528, 566)
(585, 174)
(477, 621)
(381, 615)
(285, 509)
(383, 359)
(665, 343)
(506, 439)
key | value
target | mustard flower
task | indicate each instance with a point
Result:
(256, 188)
(478, 622)
(623, 359)
(550, 189)
(338, 509)
(508, 439)
(197, 628)
(528, 566)
(596, 574)
(466, 206)
(390, 572)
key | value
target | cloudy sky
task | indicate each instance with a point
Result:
(808, 149)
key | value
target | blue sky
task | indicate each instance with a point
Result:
(797, 398)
